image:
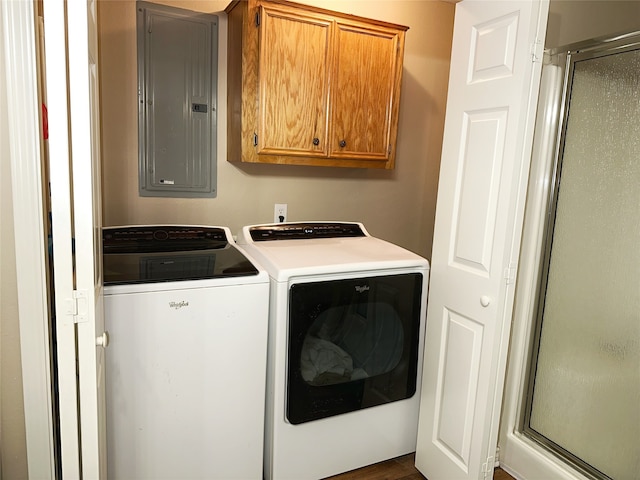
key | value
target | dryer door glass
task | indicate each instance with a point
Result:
(353, 344)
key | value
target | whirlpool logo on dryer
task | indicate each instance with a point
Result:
(178, 305)
(362, 288)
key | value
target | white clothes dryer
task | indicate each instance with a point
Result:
(346, 332)
(187, 313)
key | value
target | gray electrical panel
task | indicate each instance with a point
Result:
(177, 99)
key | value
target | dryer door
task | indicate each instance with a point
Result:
(353, 344)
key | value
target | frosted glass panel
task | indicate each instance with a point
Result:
(587, 386)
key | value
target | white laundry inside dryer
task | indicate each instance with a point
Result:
(344, 344)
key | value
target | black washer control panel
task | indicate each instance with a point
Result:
(161, 238)
(170, 253)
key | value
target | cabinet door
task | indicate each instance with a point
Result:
(295, 59)
(365, 91)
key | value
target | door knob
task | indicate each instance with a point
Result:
(103, 340)
(485, 300)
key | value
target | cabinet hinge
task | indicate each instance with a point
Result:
(77, 307)
(537, 51)
(510, 274)
(257, 19)
(255, 139)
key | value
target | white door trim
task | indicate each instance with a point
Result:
(23, 108)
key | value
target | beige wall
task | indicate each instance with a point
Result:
(397, 205)
(13, 457)
(572, 21)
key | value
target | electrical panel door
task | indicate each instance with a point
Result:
(177, 72)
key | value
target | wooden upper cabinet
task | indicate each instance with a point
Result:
(308, 86)
(293, 83)
(366, 87)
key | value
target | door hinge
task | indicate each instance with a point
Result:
(510, 273)
(255, 139)
(537, 51)
(257, 19)
(488, 468)
(77, 307)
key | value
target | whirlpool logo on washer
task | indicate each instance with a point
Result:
(178, 305)
(362, 288)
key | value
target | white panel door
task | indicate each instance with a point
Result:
(76, 216)
(493, 85)
(62, 235)
(87, 207)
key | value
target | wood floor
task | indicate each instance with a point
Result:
(401, 468)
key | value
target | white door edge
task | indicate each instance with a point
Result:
(62, 237)
(19, 39)
(527, 151)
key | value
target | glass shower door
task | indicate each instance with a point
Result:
(584, 398)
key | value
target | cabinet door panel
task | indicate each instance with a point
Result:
(293, 83)
(363, 92)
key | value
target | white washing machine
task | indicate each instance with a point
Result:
(346, 332)
(187, 313)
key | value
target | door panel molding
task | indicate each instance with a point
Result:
(459, 386)
(483, 136)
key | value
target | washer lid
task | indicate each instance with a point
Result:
(160, 253)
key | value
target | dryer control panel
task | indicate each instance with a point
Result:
(305, 231)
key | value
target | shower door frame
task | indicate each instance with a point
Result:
(523, 451)
(620, 45)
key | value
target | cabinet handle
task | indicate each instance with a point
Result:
(343, 143)
(316, 141)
